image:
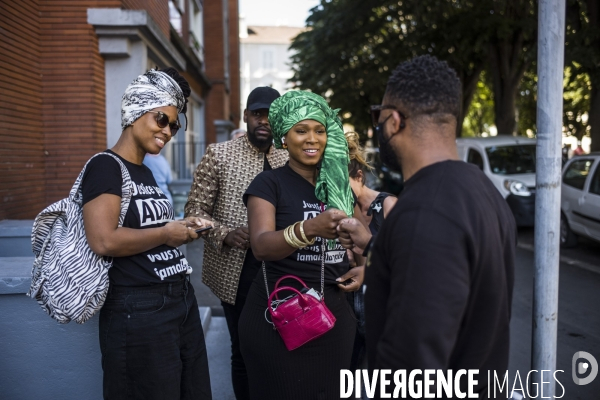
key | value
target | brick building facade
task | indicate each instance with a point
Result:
(65, 64)
(224, 71)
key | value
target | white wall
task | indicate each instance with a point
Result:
(254, 73)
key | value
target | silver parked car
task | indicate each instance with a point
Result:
(509, 162)
(580, 199)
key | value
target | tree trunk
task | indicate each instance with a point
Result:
(469, 84)
(506, 113)
(507, 69)
(593, 12)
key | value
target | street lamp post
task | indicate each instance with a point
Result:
(551, 43)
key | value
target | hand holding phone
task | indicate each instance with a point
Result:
(203, 229)
(351, 280)
(347, 282)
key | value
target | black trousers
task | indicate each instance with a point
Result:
(152, 344)
(357, 302)
(239, 375)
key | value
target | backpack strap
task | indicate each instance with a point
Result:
(126, 187)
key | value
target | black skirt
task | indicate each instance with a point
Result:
(311, 371)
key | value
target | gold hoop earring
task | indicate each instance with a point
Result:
(284, 145)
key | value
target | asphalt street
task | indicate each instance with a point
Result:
(578, 313)
(578, 318)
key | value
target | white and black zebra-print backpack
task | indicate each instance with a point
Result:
(69, 280)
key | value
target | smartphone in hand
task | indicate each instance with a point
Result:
(346, 282)
(203, 229)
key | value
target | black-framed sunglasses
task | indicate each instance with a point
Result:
(376, 112)
(162, 120)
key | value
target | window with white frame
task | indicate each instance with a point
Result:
(267, 59)
(196, 28)
(175, 12)
(196, 132)
(187, 147)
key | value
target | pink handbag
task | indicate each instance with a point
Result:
(301, 317)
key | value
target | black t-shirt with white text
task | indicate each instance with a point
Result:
(294, 200)
(149, 208)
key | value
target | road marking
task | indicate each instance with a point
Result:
(567, 260)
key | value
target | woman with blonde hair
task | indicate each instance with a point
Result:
(374, 207)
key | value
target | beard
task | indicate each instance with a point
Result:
(259, 143)
(387, 154)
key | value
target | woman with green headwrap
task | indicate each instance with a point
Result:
(293, 212)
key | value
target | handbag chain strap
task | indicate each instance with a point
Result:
(322, 271)
(323, 268)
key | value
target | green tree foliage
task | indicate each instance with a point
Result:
(480, 116)
(455, 31)
(582, 55)
(346, 58)
(352, 46)
(512, 50)
(576, 102)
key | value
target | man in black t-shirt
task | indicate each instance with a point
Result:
(439, 275)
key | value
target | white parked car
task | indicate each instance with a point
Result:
(580, 199)
(509, 162)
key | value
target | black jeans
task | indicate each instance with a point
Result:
(357, 302)
(239, 375)
(152, 344)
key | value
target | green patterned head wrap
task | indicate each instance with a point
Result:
(333, 182)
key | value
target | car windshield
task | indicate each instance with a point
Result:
(511, 160)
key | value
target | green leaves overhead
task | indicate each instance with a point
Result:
(352, 46)
(582, 62)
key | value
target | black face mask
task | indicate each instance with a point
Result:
(386, 153)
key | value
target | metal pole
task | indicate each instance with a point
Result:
(551, 43)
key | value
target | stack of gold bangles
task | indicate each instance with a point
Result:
(289, 234)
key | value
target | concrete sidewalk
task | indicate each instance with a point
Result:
(218, 344)
(206, 298)
(218, 347)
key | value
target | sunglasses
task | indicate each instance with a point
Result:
(162, 120)
(376, 112)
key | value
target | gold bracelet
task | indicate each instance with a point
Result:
(291, 240)
(290, 237)
(295, 238)
(286, 235)
(304, 235)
